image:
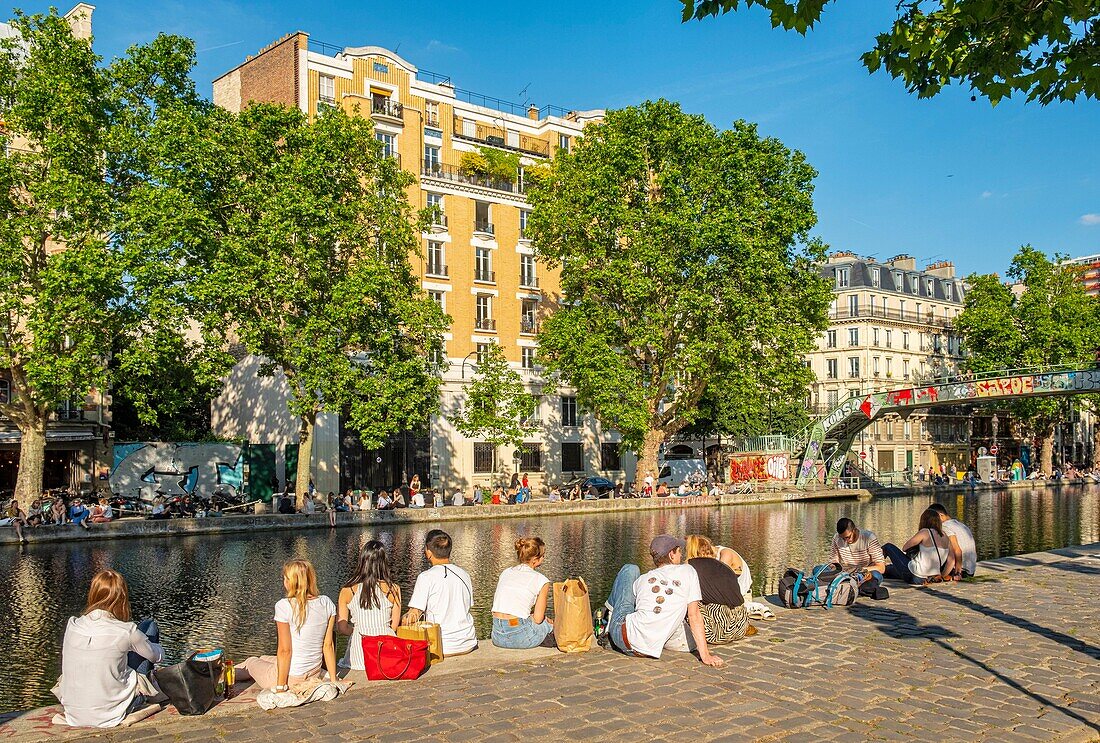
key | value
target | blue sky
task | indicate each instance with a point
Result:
(944, 178)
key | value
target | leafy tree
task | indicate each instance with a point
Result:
(68, 283)
(306, 233)
(497, 404)
(688, 278)
(1051, 321)
(1048, 49)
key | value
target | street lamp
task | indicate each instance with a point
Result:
(465, 359)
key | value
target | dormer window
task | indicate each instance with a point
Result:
(842, 280)
(875, 277)
(930, 284)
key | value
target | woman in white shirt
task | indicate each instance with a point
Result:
(304, 621)
(369, 603)
(106, 658)
(519, 604)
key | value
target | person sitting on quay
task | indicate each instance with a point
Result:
(933, 561)
(519, 604)
(384, 502)
(592, 493)
(648, 611)
(417, 500)
(309, 506)
(106, 659)
(458, 499)
(304, 622)
(15, 518)
(525, 488)
(859, 552)
(443, 594)
(79, 514)
(732, 559)
(103, 513)
(662, 489)
(414, 488)
(158, 511)
(963, 546)
(35, 515)
(58, 511)
(723, 605)
(369, 603)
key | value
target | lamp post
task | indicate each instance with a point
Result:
(465, 360)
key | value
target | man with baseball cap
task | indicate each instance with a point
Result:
(648, 611)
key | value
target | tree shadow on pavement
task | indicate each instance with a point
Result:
(903, 626)
(1059, 637)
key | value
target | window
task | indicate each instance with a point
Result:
(842, 279)
(535, 417)
(889, 366)
(830, 339)
(609, 456)
(918, 310)
(438, 355)
(435, 201)
(831, 397)
(947, 287)
(905, 368)
(437, 259)
(439, 298)
(874, 366)
(874, 336)
(328, 89)
(527, 357)
(831, 369)
(889, 338)
(854, 393)
(482, 217)
(898, 285)
(853, 305)
(484, 457)
(563, 142)
(523, 216)
(901, 309)
(484, 312)
(853, 336)
(871, 304)
(483, 265)
(431, 113)
(528, 275)
(572, 456)
(853, 367)
(5, 391)
(469, 128)
(528, 319)
(530, 457)
(905, 340)
(930, 285)
(482, 352)
(569, 411)
(876, 278)
(431, 159)
(908, 429)
(914, 284)
(389, 143)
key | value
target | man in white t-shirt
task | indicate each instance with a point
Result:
(649, 483)
(962, 542)
(444, 594)
(648, 611)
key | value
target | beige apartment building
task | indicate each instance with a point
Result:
(891, 325)
(476, 261)
(78, 433)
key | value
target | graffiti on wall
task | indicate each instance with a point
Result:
(760, 467)
(145, 470)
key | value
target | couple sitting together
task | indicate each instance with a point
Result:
(942, 549)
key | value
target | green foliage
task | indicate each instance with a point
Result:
(497, 404)
(688, 275)
(1052, 321)
(491, 163)
(1049, 50)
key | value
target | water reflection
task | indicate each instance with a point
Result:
(211, 591)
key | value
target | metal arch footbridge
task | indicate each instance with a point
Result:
(825, 443)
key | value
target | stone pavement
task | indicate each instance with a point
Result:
(1012, 656)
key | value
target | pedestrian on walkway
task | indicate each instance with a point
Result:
(648, 611)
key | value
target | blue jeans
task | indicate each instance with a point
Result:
(522, 636)
(622, 603)
(142, 665)
(899, 565)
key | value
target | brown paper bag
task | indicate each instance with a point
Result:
(425, 631)
(573, 616)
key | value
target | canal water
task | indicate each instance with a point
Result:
(219, 591)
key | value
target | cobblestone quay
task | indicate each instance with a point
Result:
(1013, 655)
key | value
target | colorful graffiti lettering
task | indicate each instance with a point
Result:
(760, 467)
(145, 469)
(901, 397)
(1000, 387)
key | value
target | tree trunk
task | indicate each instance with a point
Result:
(32, 461)
(647, 457)
(305, 458)
(1046, 450)
(1095, 442)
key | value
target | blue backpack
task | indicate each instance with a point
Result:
(824, 586)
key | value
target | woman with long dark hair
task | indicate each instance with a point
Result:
(926, 557)
(369, 603)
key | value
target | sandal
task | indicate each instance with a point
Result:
(762, 614)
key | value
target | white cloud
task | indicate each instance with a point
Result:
(1090, 220)
(986, 194)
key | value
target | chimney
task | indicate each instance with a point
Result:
(533, 112)
(942, 269)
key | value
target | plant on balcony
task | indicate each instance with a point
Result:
(497, 405)
(490, 163)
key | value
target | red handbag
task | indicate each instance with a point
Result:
(388, 658)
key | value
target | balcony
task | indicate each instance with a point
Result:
(528, 281)
(484, 226)
(454, 174)
(495, 136)
(437, 269)
(485, 277)
(485, 323)
(439, 222)
(387, 109)
(431, 120)
(866, 311)
(528, 326)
